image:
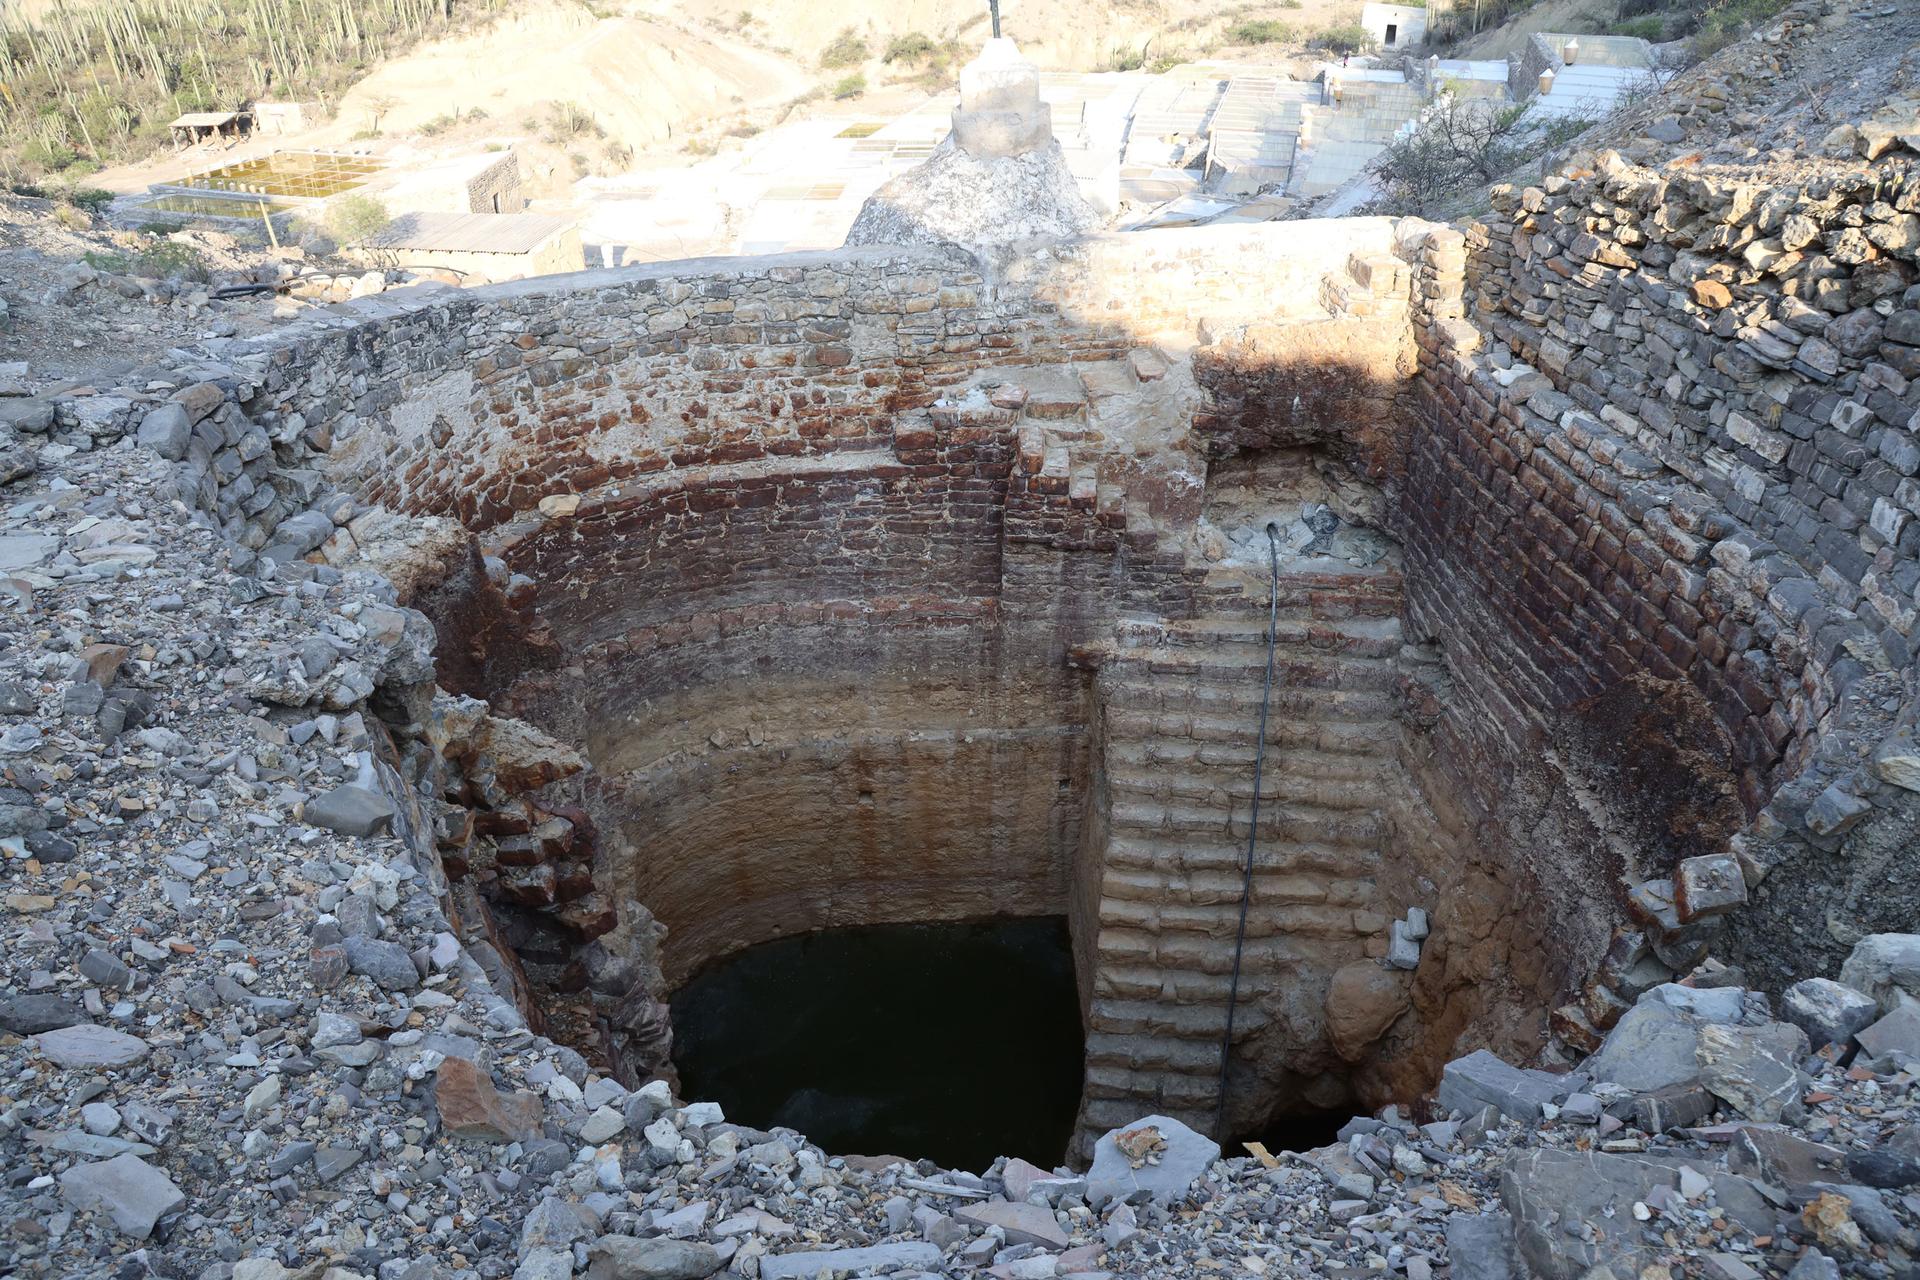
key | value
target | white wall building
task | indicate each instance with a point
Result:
(1395, 26)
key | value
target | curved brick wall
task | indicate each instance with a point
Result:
(874, 590)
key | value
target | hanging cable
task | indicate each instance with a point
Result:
(1253, 824)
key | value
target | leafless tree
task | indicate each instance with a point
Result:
(1460, 143)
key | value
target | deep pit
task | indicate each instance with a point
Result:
(953, 1042)
(845, 590)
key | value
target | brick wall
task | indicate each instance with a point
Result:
(839, 538)
(1661, 505)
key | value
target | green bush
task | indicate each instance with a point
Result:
(849, 86)
(1723, 23)
(92, 199)
(1260, 31)
(1348, 38)
(43, 153)
(160, 260)
(1652, 27)
(912, 47)
(353, 220)
(849, 49)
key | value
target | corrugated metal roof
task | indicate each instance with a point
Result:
(206, 119)
(471, 232)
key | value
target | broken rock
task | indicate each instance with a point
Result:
(87, 1045)
(1754, 1070)
(1023, 1223)
(470, 1107)
(870, 1260)
(126, 1188)
(1829, 1012)
(352, 810)
(1883, 964)
(1482, 1080)
(1186, 1159)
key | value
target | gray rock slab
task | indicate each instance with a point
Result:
(387, 963)
(1480, 1247)
(1653, 1046)
(545, 1264)
(30, 415)
(625, 1258)
(22, 551)
(1709, 1004)
(1024, 1223)
(167, 431)
(1186, 1159)
(816, 1262)
(1754, 1070)
(126, 1188)
(1880, 965)
(351, 809)
(1482, 1080)
(1829, 1012)
(556, 1223)
(87, 1045)
(1554, 1195)
(29, 1015)
(1898, 1032)
(1814, 1265)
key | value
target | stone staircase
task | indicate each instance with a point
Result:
(1180, 704)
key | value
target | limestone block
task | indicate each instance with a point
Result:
(1185, 1159)
(1482, 1080)
(1884, 965)
(999, 80)
(1710, 885)
(1829, 1012)
(987, 134)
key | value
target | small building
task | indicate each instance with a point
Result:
(483, 182)
(482, 247)
(196, 127)
(1395, 26)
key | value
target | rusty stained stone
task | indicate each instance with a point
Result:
(1712, 294)
(104, 662)
(470, 1106)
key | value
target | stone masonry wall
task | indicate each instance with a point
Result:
(771, 495)
(1661, 511)
(815, 556)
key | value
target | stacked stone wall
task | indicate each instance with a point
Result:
(1659, 518)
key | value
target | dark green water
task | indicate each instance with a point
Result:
(955, 1042)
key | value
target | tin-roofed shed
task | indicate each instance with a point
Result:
(196, 127)
(483, 246)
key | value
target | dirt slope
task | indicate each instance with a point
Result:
(641, 78)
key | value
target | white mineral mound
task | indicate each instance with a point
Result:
(998, 178)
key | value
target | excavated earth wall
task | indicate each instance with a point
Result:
(871, 588)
